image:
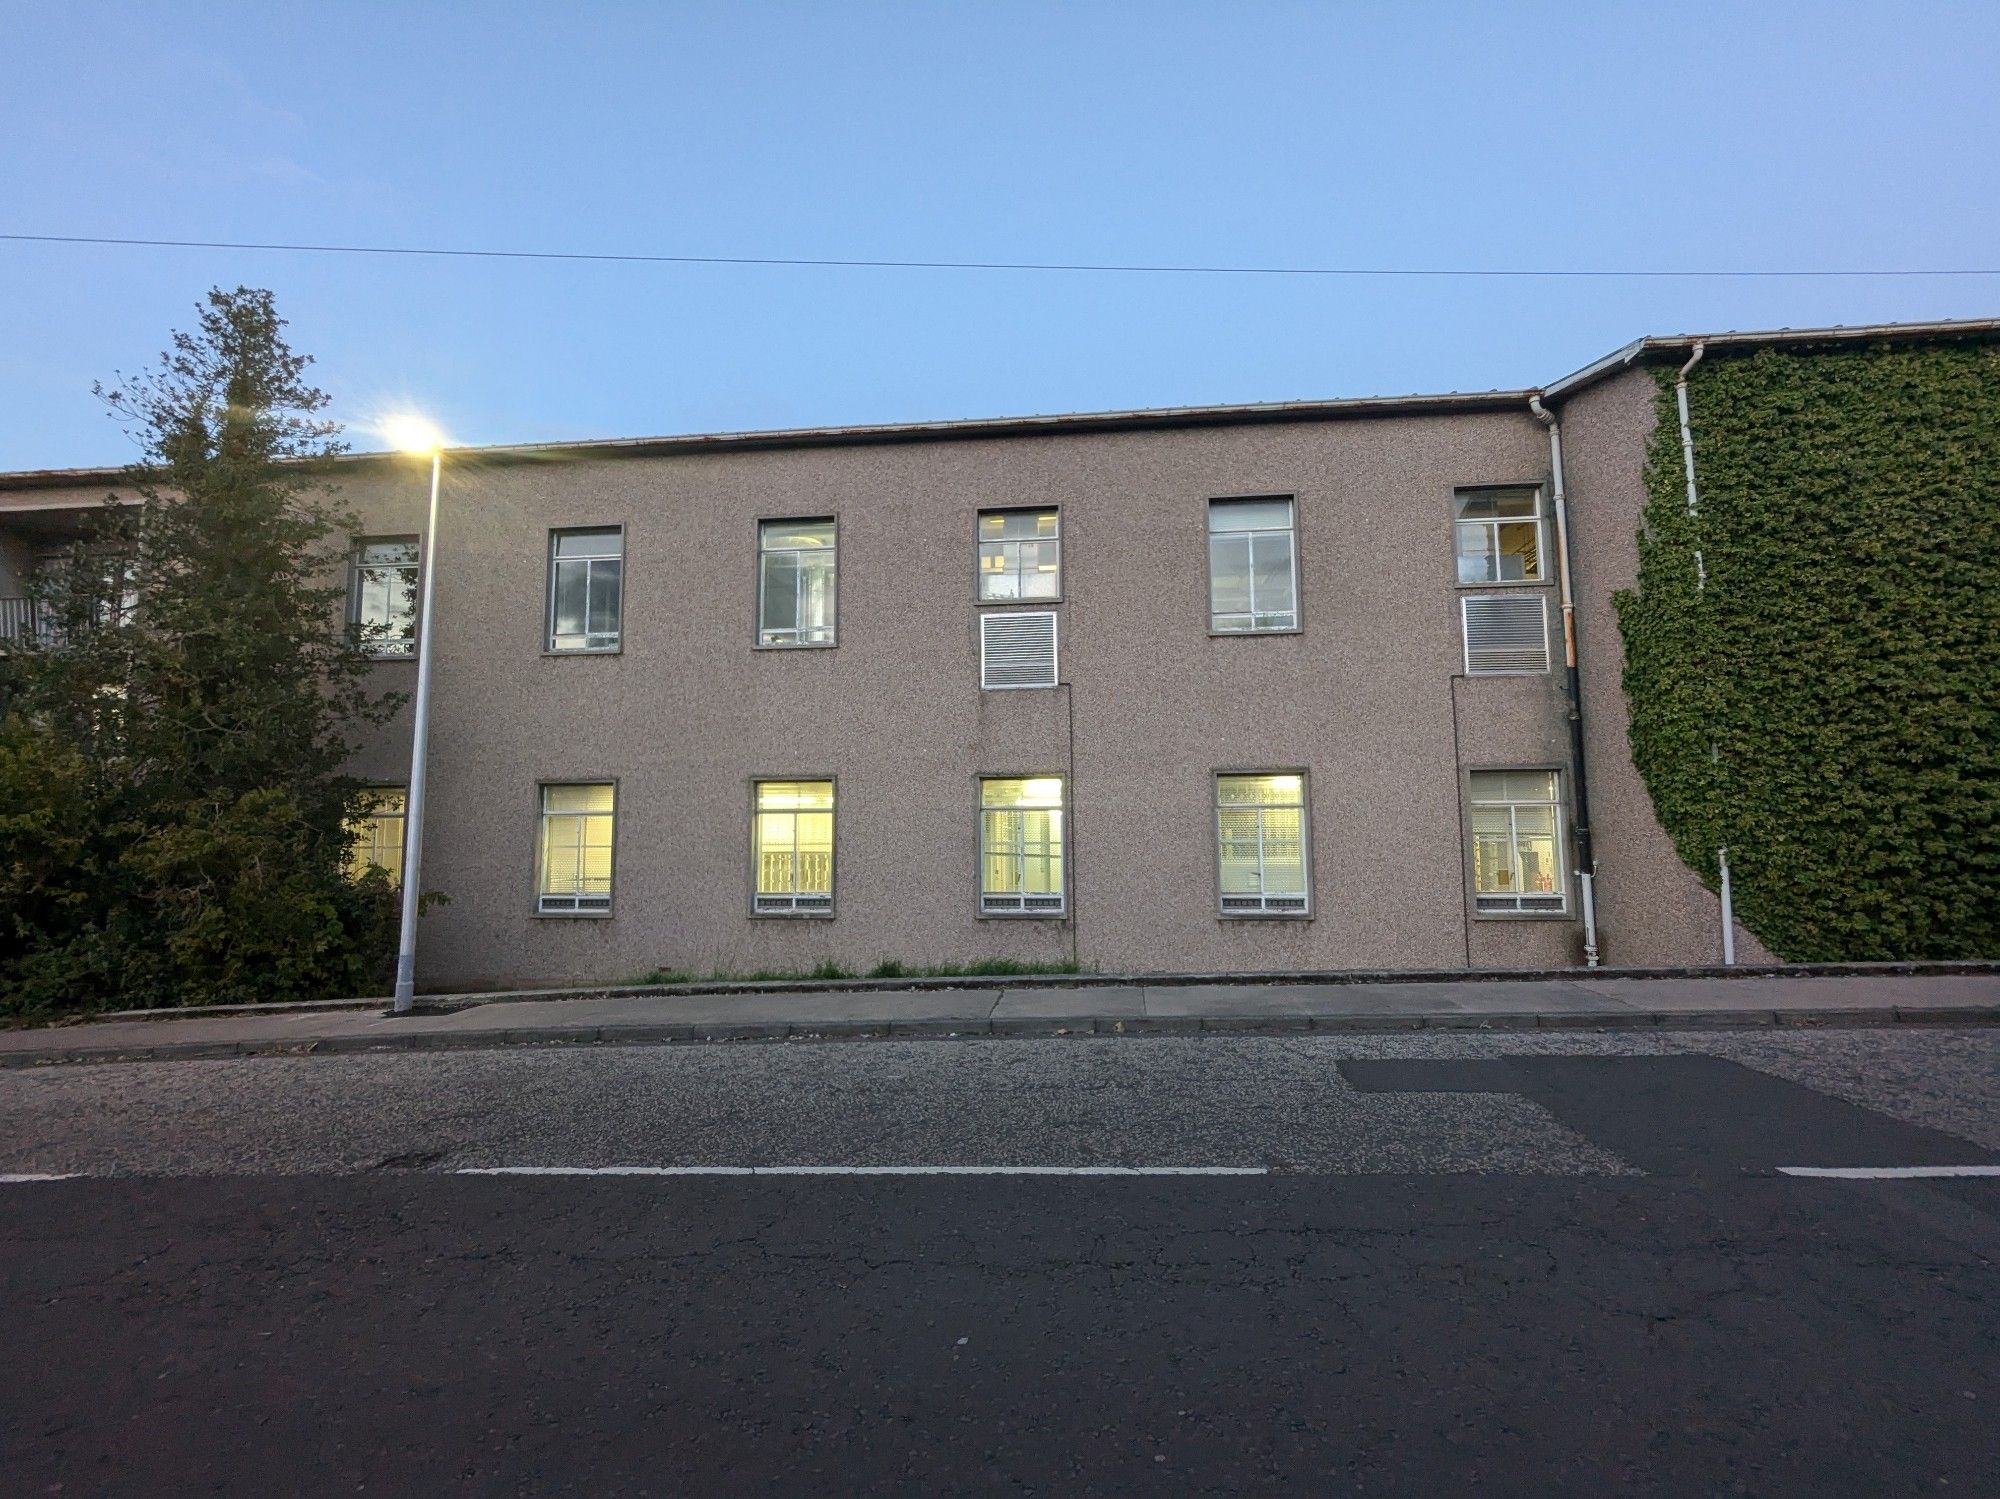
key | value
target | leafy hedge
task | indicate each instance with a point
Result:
(1843, 659)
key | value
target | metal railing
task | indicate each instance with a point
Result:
(23, 619)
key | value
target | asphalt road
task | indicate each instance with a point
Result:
(1505, 1265)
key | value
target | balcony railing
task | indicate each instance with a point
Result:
(21, 619)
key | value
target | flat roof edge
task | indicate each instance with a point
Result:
(965, 430)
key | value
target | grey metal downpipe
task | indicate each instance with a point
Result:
(1586, 859)
(1701, 583)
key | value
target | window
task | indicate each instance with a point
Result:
(1500, 535)
(1260, 832)
(793, 835)
(1021, 845)
(1252, 571)
(586, 588)
(379, 842)
(383, 595)
(795, 582)
(1020, 555)
(576, 848)
(1017, 650)
(1516, 841)
(1506, 634)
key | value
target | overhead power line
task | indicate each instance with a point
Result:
(996, 265)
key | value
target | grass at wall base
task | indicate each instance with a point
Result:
(1822, 695)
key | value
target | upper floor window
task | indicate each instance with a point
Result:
(1253, 581)
(382, 595)
(1260, 831)
(378, 843)
(1020, 555)
(1516, 841)
(1500, 535)
(1021, 845)
(586, 588)
(795, 582)
(575, 876)
(792, 840)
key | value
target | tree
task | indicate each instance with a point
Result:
(175, 815)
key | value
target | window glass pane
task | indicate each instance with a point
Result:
(1516, 502)
(570, 580)
(562, 855)
(1475, 506)
(606, 579)
(1492, 852)
(1028, 791)
(1475, 554)
(780, 583)
(1488, 786)
(602, 542)
(1520, 551)
(775, 838)
(1284, 852)
(815, 858)
(1537, 855)
(389, 554)
(816, 596)
(786, 795)
(1041, 569)
(1041, 853)
(1000, 843)
(1526, 785)
(1229, 581)
(1249, 515)
(1016, 525)
(1272, 577)
(1236, 829)
(1269, 790)
(794, 533)
(577, 798)
(999, 576)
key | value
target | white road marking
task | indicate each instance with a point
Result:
(863, 1171)
(10, 1178)
(1892, 1173)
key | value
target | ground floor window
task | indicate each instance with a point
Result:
(379, 842)
(1516, 841)
(1021, 845)
(1260, 830)
(576, 848)
(792, 834)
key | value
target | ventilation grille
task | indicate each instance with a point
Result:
(1243, 905)
(1033, 905)
(807, 904)
(1017, 650)
(576, 903)
(1521, 903)
(1506, 633)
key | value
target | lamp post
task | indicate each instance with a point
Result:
(413, 435)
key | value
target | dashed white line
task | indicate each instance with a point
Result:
(863, 1171)
(1887, 1173)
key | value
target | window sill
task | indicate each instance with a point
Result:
(1022, 916)
(386, 659)
(1511, 583)
(791, 915)
(1215, 634)
(600, 650)
(804, 645)
(1239, 917)
(1017, 603)
(572, 915)
(1504, 916)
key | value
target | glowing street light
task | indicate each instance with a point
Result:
(412, 434)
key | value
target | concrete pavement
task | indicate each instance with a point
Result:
(1038, 1007)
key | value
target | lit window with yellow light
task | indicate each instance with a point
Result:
(1517, 842)
(1020, 555)
(1261, 854)
(378, 840)
(1500, 535)
(575, 853)
(1021, 846)
(792, 848)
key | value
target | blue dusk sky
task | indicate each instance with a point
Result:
(1598, 136)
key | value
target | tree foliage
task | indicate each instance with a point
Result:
(175, 816)
(1827, 704)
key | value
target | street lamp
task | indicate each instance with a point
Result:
(415, 435)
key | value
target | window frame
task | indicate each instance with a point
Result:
(373, 650)
(610, 908)
(376, 788)
(1215, 807)
(549, 646)
(979, 811)
(794, 912)
(1517, 912)
(757, 590)
(979, 577)
(1541, 523)
(1208, 534)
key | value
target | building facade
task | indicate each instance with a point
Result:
(1211, 690)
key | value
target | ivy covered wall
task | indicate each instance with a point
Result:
(1828, 705)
